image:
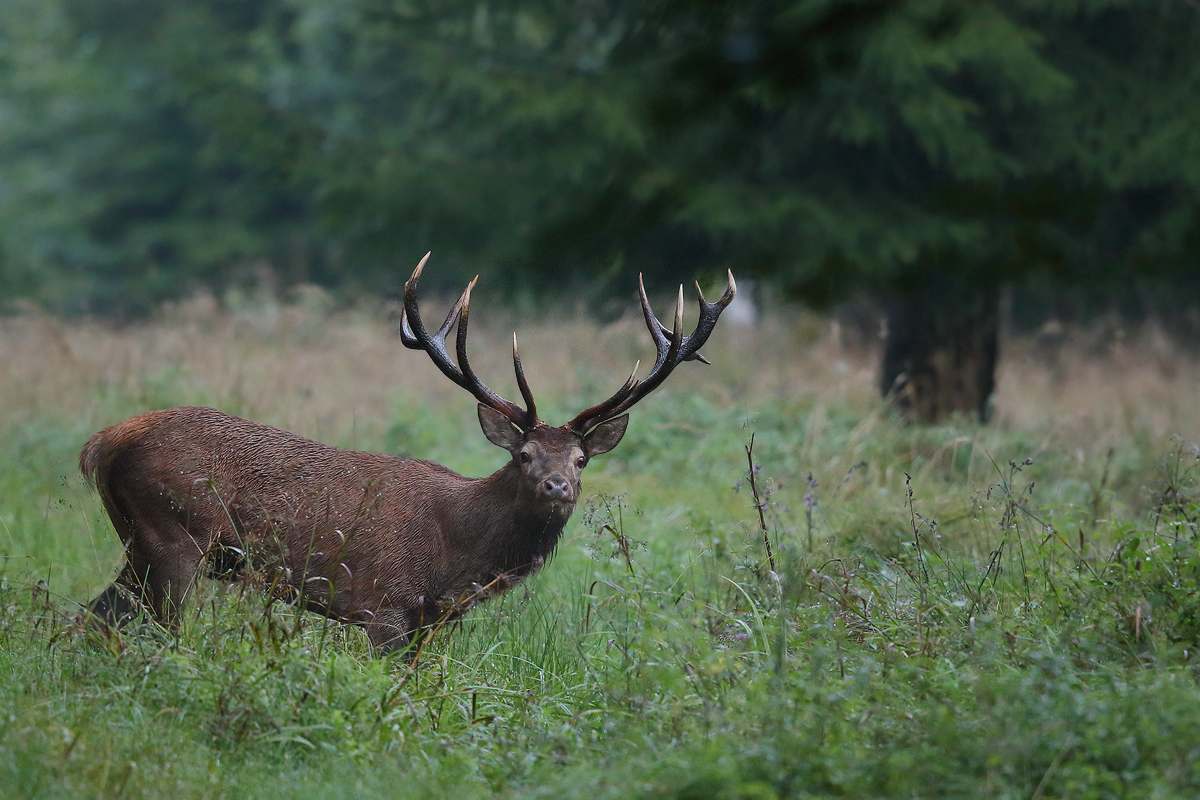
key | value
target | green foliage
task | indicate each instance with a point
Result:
(952, 633)
(117, 191)
(151, 148)
(850, 144)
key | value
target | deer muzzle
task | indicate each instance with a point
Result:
(558, 488)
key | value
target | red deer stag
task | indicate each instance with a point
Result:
(390, 543)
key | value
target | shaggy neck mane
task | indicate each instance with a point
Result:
(509, 538)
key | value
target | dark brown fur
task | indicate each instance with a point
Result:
(393, 544)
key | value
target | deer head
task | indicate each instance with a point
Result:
(549, 459)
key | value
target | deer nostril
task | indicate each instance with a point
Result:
(558, 488)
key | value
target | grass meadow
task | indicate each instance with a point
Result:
(996, 611)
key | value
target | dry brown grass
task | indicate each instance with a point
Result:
(297, 367)
(330, 375)
(1100, 387)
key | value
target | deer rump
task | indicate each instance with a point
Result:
(393, 544)
(194, 491)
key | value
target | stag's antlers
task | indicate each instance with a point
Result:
(671, 345)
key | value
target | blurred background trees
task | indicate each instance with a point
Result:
(924, 153)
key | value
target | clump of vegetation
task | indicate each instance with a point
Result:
(952, 611)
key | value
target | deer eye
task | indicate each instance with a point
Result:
(581, 462)
(524, 457)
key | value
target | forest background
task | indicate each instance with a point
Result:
(149, 148)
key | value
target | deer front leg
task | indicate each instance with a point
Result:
(116, 605)
(159, 570)
(160, 590)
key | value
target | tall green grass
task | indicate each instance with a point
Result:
(955, 611)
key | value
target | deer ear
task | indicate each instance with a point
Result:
(498, 430)
(605, 436)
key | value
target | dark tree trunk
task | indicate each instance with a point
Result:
(940, 354)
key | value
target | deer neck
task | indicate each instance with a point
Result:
(508, 530)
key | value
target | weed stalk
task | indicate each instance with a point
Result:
(760, 505)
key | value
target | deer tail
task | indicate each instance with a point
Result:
(95, 458)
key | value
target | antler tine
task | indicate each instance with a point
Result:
(667, 358)
(677, 331)
(709, 313)
(407, 335)
(693, 353)
(518, 416)
(414, 336)
(410, 340)
(523, 385)
(657, 330)
(670, 352)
